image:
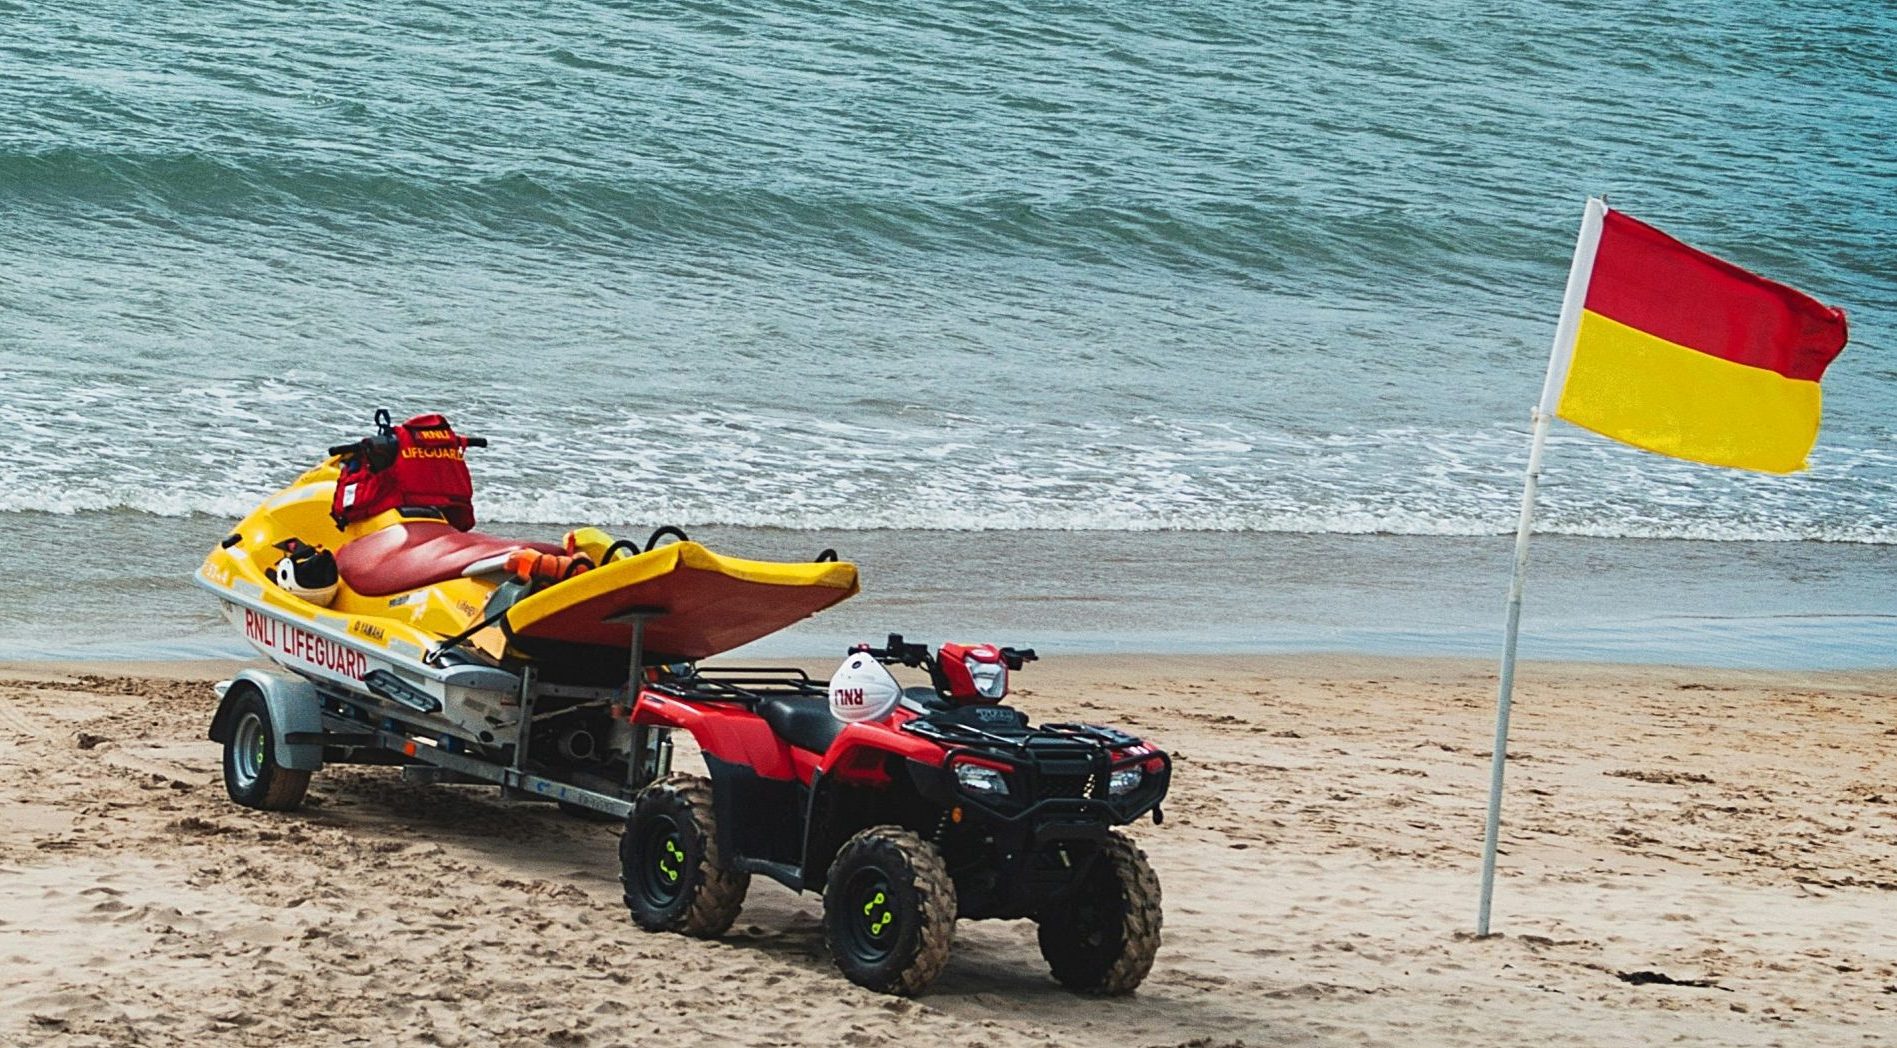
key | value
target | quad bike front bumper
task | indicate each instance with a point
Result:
(1014, 855)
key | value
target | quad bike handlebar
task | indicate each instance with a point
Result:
(918, 655)
(895, 650)
(1016, 657)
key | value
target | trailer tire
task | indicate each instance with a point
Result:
(676, 877)
(1101, 937)
(889, 911)
(252, 776)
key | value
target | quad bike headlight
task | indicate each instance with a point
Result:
(1124, 781)
(991, 678)
(981, 780)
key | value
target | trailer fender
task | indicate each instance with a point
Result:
(296, 712)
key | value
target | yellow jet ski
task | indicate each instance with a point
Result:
(366, 577)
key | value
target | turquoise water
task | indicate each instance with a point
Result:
(1254, 269)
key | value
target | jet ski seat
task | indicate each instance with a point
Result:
(419, 553)
(805, 723)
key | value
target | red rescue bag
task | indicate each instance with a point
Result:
(418, 464)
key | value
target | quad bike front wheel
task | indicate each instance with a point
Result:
(889, 911)
(252, 776)
(675, 877)
(1100, 938)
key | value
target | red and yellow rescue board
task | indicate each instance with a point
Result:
(702, 603)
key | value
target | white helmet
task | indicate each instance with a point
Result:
(307, 571)
(862, 690)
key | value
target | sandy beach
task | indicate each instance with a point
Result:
(1691, 857)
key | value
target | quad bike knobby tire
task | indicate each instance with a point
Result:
(889, 911)
(252, 775)
(675, 877)
(1101, 936)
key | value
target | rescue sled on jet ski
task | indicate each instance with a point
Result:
(365, 579)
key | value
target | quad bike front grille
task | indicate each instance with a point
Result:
(1051, 786)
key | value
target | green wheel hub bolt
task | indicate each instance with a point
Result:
(675, 854)
(878, 922)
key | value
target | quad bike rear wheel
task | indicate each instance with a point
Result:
(252, 776)
(1100, 938)
(889, 911)
(675, 877)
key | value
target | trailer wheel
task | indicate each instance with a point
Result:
(252, 776)
(889, 911)
(1102, 935)
(676, 878)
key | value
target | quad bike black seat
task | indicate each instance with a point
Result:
(804, 722)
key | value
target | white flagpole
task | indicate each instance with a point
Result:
(1565, 330)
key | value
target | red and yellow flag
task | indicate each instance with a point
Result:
(1688, 355)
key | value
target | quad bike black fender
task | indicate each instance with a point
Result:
(296, 715)
(871, 789)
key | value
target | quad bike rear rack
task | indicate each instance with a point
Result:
(742, 685)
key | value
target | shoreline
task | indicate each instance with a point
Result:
(1622, 601)
(1098, 667)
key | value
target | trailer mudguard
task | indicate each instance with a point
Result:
(296, 711)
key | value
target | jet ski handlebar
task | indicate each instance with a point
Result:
(356, 445)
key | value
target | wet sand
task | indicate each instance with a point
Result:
(1698, 857)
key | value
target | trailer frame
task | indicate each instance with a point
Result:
(317, 722)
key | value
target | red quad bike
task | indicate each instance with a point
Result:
(907, 808)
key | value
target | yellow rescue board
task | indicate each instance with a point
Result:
(700, 603)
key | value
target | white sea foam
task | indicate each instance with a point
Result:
(217, 448)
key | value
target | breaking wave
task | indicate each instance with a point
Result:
(896, 466)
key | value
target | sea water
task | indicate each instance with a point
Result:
(1139, 326)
